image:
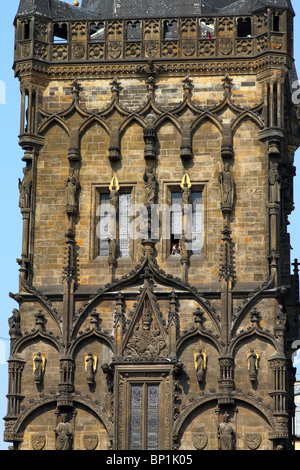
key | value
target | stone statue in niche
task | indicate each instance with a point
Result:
(72, 185)
(39, 360)
(226, 434)
(252, 358)
(150, 186)
(226, 182)
(274, 183)
(25, 187)
(90, 367)
(64, 434)
(200, 364)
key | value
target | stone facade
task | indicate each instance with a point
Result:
(201, 343)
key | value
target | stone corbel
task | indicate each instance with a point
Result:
(227, 142)
(114, 153)
(150, 138)
(186, 148)
(73, 151)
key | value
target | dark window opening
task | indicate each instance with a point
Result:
(276, 23)
(170, 29)
(244, 28)
(60, 32)
(26, 30)
(133, 31)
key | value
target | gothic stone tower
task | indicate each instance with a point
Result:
(117, 342)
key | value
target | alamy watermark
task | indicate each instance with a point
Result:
(157, 222)
(2, 92)
(296, 92)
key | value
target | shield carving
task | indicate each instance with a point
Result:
(90, 441)
(199, 440)
(253, 440)
(114, 49)
(38, 441)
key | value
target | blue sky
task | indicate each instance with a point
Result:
(11, 169)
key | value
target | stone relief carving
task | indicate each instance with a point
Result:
(90, 441)
(38, 441)
(146, 339)
(200, 440)
(253, 440)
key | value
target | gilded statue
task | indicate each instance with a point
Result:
(200, 364)
(90, 367)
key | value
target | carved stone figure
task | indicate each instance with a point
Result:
(200, 364)
(226, 433)
(150, 186)
(227, 187)
(112, 250)
(25, 187)
(64, 434)
(274, 183)
(252, 364)
(72, 186)
(14, 325)
(90, 367)
(38, 366)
